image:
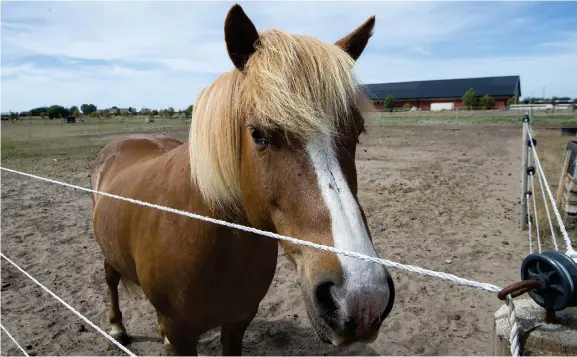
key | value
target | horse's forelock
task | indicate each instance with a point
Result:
(301, 84)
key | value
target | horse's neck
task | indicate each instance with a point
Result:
(177, 167)
(171, 174)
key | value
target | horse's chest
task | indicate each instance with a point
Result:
(228, 280)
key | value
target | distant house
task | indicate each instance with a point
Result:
(443, 93)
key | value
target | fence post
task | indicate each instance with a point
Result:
(537, 337)
(524, 181)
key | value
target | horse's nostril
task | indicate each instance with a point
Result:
(325, 300)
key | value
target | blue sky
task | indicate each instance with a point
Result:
(161, 54)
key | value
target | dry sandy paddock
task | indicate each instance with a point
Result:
(432, 193)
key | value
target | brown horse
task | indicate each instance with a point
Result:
(272, 145)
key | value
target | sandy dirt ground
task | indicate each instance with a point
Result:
(442, 197)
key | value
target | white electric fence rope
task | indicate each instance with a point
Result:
(529, 224)
(514, 334)
(14, 340)
(410, 268)
(68, 306)
(535, 209)
(546, 203)
(570, 251)
(528, 204)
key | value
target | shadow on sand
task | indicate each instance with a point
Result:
(278, 338)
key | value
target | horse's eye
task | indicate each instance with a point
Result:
(257, 137)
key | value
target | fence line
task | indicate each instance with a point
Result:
(529, 172)
(13, 340)
(570, 251)
(118, 344)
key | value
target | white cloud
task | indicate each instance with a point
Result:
(163, 54)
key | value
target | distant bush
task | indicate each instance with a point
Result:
(389, 103)
(469, 98)
(487, 102)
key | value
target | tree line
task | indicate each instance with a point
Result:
(90, 110)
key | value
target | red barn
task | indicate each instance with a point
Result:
(444, 93)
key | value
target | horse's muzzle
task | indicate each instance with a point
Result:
(355, 315)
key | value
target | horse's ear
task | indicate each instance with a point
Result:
(355, 42)
(240, 36)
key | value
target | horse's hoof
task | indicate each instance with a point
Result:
(120, 336)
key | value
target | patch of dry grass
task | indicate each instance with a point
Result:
(38, 128)
(51, 148)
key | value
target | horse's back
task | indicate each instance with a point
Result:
(125, 152)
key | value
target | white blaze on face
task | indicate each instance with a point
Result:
(348, 228)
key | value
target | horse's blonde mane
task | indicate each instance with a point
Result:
(294, 83)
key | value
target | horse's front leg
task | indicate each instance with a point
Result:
(231, 335)
(182, 336)
(118, 332)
